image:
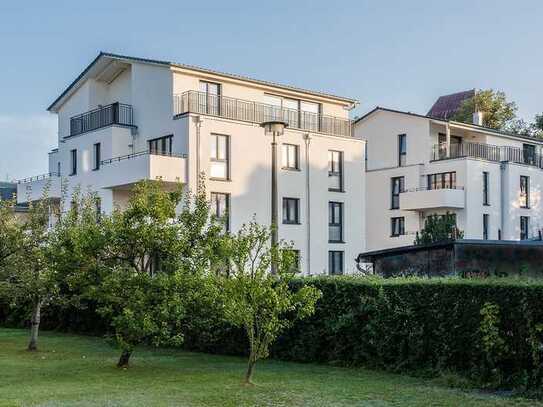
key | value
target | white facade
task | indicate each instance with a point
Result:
(191, 111)
(442, 171)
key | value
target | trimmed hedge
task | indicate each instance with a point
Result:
(490, 331)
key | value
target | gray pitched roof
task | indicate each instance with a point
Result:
(446, 106)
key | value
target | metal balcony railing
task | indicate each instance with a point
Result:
(141, 153)
(243, 110)
(116, 113)
(38, 177)
(487, 152)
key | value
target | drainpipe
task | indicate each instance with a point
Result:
(198, 122)
(307, 140)
(447, 140)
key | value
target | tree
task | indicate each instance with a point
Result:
(25, 276)
(498, 112)
(260, 302)
(438, 228)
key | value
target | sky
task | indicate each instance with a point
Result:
(397, 54)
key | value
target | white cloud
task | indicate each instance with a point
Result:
(25, 141)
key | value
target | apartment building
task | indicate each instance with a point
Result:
(419, 165)
(126, 119)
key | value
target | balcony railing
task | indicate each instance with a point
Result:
(38, 177)
(141, 153)
(487, 152)
(243, 110)
(116, 113)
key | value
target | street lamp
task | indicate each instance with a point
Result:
(274, 128)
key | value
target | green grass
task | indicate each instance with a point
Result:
(76, 371)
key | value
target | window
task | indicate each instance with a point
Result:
(485, 188)
(397, 226)
(220, 151)
(98, 208)
(335, 262)
(402, 150)
(524, 191)
(96, 156)
(58, 169)
(335, 170)
(209, 102)
(444, 180)
(335, 222)
(73, 162)
(485, 226)
(220, 208)
(397, 187)
(528, 152)
(161, 145)
(524, 226)
(297, 113)
(290, 156)
(291, 210)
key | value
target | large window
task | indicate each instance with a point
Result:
(402, 150)
(219, 157)
(210, 100)
(397, 187)
(444, 180)
(96, 156)
(291, 210)
(335, 262)
(485, 188)
(397, 226)
(524, 191)
(528, 151)
(73, 162)
(335, 170)
(486, 218)
(524, 227)
(161, 145)
(290, 157)
(335, 222)
(220, 208)
(297, 113)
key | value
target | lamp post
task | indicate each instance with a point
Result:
(274, 128)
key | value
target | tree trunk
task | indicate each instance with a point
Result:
(250, 369)
(125, 357)
(34, 327)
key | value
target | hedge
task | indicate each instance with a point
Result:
(490, 331)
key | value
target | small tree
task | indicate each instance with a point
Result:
(438, 228)
(498, 111)
(25, 276)
(260, 302)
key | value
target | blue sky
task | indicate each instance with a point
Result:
(399, 54)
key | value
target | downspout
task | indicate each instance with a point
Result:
(198, 122)
(307, 140)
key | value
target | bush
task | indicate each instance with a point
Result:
(489, 331)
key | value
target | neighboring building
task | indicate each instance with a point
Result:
(8, 190)
(446, 106)
(418, 166)
(126, 119)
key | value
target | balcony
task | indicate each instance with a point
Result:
(38, 187)
(254, 112)
(487, 152)
(421, 199)
(114, 114)
(129, 169)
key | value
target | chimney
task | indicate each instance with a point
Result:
(478, 118)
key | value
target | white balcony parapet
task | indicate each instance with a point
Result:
(422, 199)
(132, 168)
(37, 187)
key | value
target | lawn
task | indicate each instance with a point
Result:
(73, 370)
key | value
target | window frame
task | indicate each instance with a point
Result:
(286, 211)
(226, 161)
(486, 226)
(401, 226)
(401, 188)
(285, 153)
(214, 203)
(526, 195)
(333, 223)
(402, 152)
(96, 156)
(486, 185)
(165, 141)
(73, 162)
(441, 180)
(336, 172)
(331, 263)
(524, 221)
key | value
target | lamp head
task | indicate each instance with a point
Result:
(276, 127)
